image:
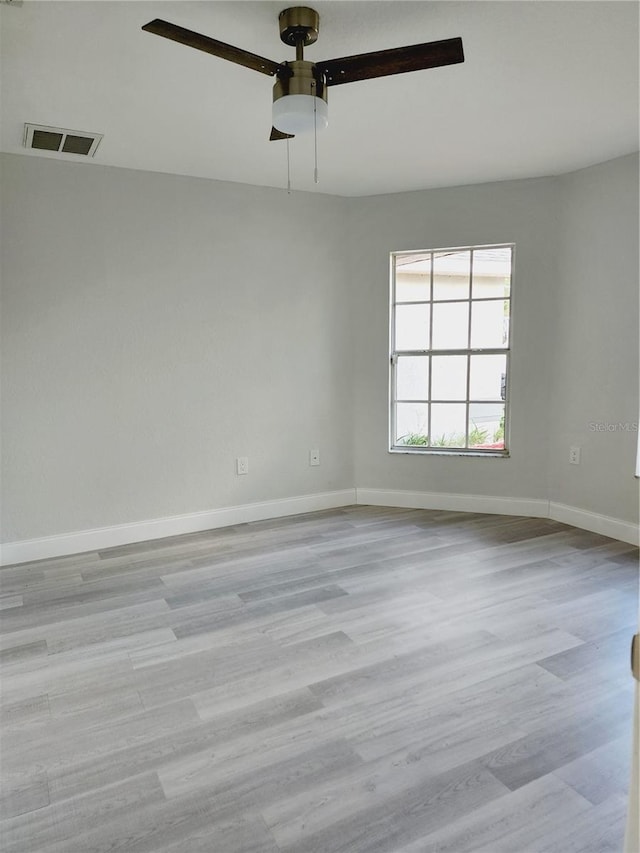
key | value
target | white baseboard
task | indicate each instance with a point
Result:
(625, 531)
(157, 528)
(457, 503)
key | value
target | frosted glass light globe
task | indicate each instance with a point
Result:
(294, 113)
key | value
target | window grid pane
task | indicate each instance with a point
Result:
(450, 325)
(434, 328)
(412, 378)
(412, 327)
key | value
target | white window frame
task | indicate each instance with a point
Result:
(435, 450)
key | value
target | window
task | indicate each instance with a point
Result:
(450, 312)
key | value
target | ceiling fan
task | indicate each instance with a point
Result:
(300, 90)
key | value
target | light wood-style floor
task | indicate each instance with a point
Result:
(360, 679)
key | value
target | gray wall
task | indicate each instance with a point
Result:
(155, 327)
(524, 212)
(594, 383)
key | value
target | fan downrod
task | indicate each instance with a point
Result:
(299, 25)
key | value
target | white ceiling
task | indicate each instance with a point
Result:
(546, 88)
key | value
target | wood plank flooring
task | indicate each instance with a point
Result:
(364, 679)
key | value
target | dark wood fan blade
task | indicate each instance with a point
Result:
(278, 134)
(212, 46)
(398, 60)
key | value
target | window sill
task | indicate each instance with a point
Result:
(475, 454)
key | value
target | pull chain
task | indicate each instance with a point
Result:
(288, 170)
(315, 140)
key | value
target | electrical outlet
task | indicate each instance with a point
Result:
(242, 465)
(574, 455)
(314, 457)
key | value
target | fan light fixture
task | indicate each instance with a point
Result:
(300, 114)
(300, 99)
(300, 91)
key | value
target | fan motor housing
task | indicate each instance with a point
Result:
(299, 25)
(304, 80)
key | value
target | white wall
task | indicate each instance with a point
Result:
(154, 328)
(594, 380)
(524, 212)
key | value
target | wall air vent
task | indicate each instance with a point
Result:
(58, 139)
